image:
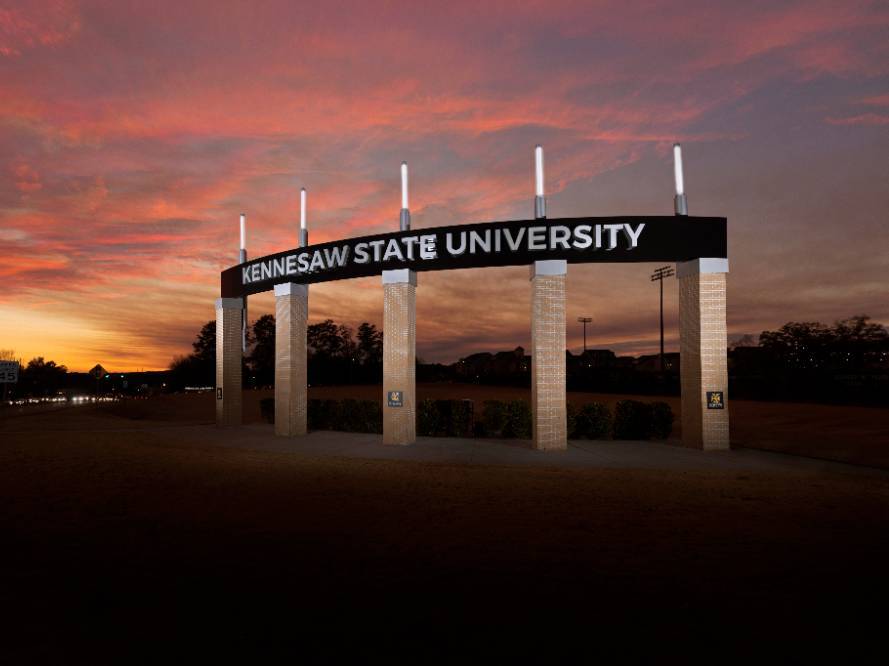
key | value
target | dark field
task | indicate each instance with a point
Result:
(125, 541)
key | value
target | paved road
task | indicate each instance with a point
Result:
(580, 453)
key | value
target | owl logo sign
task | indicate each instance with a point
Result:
(715, 400)
(395, 398)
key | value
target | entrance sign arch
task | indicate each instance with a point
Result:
(698, 245)
(676, 238)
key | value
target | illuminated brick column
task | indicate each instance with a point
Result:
(229, 316)
(291, 390)
(703, 355)
(549, 414)
(399, 355)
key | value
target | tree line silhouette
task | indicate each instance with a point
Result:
(336, 355)
(845, 362)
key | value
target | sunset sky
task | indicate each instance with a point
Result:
(133, 133)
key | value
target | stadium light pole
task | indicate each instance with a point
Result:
(658, 276)
(584, 321)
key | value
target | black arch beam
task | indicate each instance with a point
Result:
(512, 243)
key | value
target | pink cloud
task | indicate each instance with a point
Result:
(26, 178)
(877, 100)
(866, 119)
(131, 138)
(35, 24)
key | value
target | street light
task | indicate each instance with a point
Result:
(658, 276)
(584, 321)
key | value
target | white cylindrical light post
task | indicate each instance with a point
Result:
(405, 217)
(303, 226)
(242, 254)
(680, 202)
(400, 343)
(242, 257)
(549, 416)
(539, 199)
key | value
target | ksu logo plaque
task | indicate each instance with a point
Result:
(395, 398)
(715, 400)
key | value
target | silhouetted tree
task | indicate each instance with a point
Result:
(205, 344)
(370, 352)
(199, 367)
(327, 339)
(41, 377)
(859, 343)
(852, 344)
(798, 345)
(332, 353)
(370, 344)
(262, 357)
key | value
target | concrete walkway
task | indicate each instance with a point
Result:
(580, 454)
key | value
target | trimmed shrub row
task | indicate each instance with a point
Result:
(445, 418)
(508, 419)
(348, 415)
(642, 420)
(345, 415)
(589, 421)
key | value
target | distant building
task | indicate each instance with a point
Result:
(652, 363)
(597, 358)
(485, 366)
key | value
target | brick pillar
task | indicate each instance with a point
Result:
(291, 389)
(229, 316)
(399, 356)
(548, 407)
(703, 355)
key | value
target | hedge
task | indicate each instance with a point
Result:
(640, 420)
(507, 419)
(589, 421)
(346, 415)
(445, 418)
(510, 419)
